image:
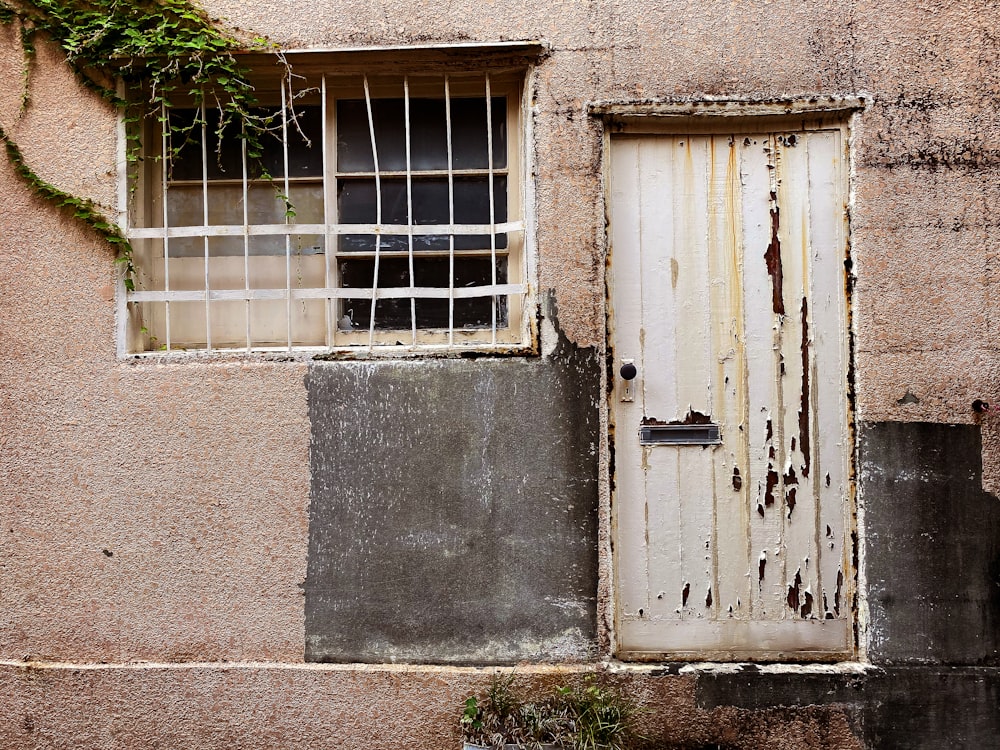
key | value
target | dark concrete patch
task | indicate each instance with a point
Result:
(932, 545)
(892, 708)
(453, 512)
(753, 689)
(915, 708)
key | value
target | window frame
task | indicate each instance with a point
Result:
(518, 336)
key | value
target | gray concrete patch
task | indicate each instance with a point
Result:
(453, 512)
(932, 546)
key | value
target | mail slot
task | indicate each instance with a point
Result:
(680, 434)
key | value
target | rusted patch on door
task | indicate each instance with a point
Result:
(772, 257)
(804, 403)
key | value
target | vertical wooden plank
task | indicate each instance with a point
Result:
(762, 372)
(731, 519)
(831, 449)
(656, 382)
(626, 317)
(799, 511)
(692, 369)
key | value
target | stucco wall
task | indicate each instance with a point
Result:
(149, 512)
(160, 511)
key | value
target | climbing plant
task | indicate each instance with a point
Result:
(162, 51)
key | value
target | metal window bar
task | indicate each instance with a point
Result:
(246, 241)
(451, 214)
(280, 230)
(123, 171)
(204, 216)
(288, 237)
(378, 215)
(332, 319)
(409, 205)
(403, 292)
(164, 168)
(493, 235)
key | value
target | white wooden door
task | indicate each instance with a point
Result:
(732, 482)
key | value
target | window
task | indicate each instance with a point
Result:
(392, 220)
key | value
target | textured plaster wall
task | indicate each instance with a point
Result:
(146, 511)
(378, 708)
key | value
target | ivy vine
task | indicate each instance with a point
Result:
(169, 50)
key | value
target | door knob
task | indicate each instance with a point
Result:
(628, 372)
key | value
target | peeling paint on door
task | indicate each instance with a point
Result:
(728, 254)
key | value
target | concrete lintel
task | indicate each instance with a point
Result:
(728, 107)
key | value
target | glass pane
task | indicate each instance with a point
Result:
(268, 322)
(187, 325)
(429, 272)
(225, 208)
(305, 138)
(225, 272)
(308, 322)
(150, 328)
(187, 274)
(356, 205)
(185, 206)
(428, 134)
(229, 323)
